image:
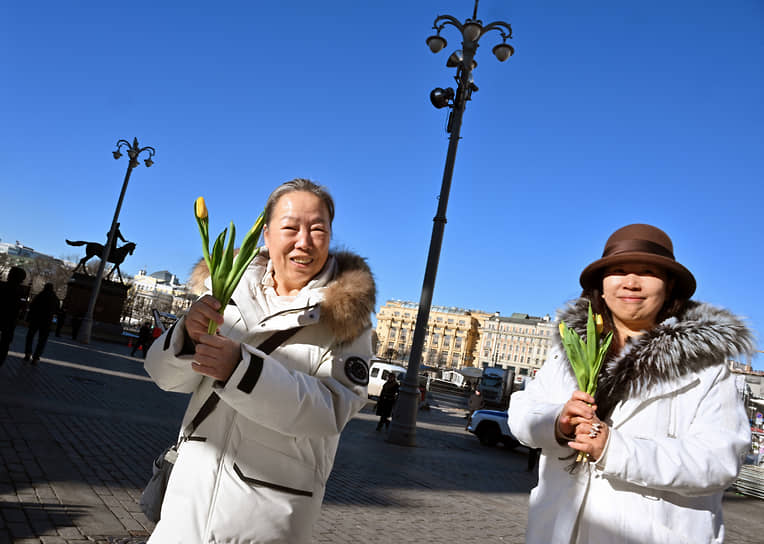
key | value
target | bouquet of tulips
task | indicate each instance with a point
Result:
(586, 357)
(226, 269)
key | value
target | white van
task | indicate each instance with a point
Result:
(378, 376)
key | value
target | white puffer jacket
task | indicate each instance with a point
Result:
(255, 470)
(678, 431)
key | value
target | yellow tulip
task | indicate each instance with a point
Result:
(562, 328)
(598, 323)
(201, 208)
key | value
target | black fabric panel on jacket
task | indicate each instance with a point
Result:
(247, 383)
(168, 337)
(189, 348)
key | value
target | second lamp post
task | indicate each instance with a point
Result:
(403, 429)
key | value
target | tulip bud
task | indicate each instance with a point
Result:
(598, 323)
(201, 208)
(562, 328)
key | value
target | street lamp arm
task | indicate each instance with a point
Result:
(150, 149)
(447, 19)
(501, 26)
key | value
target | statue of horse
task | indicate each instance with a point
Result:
(94, 249)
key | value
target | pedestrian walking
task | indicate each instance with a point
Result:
(475, 402)
(256, 467)
(10, 305)
(665, 431)
(43, 307)
(144, 340)
(386, 402)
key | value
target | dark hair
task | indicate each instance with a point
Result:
(299, 184)
(672, 307)
(16, 275)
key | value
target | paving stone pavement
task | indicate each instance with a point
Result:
(78, 433)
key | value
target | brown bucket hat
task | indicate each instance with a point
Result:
(643, 244)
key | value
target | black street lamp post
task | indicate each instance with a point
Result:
(403, 429)
(133, 152)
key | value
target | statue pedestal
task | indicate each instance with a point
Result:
(108, 308)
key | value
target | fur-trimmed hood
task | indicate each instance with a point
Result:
(348, 301)
(702, 336)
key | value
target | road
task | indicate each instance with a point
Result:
(79, 431)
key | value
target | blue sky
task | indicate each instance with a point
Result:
(609, 113)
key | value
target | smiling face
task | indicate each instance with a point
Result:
(297, 238)
(635, 294)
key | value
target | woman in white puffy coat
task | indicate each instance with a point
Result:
(255, 469)
(666, 429)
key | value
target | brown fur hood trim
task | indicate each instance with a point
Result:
(349, 299)
(702, 336)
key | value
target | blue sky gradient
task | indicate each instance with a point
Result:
(609, 113)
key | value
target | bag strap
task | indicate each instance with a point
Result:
(270, 344)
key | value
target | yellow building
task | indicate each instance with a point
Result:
(450, 341)
(456, 338)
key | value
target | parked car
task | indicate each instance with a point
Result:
(491, 427)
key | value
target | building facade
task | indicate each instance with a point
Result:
(458, 338)
(520, 342)
(161, 291)
(452, 334)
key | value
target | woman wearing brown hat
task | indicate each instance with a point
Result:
(665, 431)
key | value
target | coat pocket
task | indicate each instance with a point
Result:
(260, 466)
(269, 485)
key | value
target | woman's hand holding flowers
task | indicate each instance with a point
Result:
(591, 438)
(216, 355)
(579, 409)
(200, 314)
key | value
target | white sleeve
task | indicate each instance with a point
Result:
(167, 363)
(534, 410)
(299, 404)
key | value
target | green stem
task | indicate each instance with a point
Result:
(213, 326)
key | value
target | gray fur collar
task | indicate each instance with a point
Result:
(702, 336)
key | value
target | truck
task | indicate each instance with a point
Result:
(496, 387)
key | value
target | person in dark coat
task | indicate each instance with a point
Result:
(387, 398)
(44, 306)
(10, 304)
(475, 402)
(144, 339)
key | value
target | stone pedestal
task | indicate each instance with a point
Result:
(108, 308)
